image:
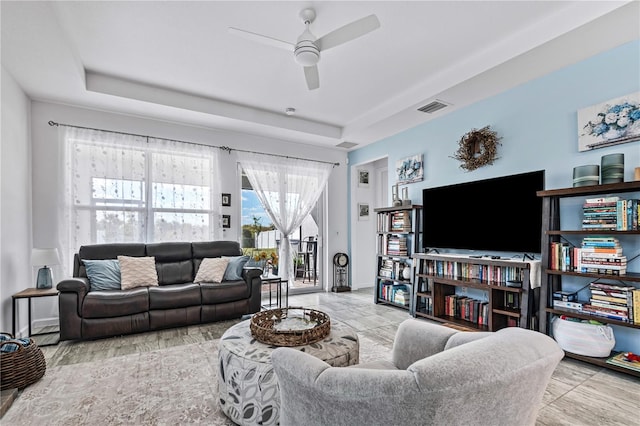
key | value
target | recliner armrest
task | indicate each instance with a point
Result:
(77, 285)
(417, 339)
(254, 282)
(249, 273)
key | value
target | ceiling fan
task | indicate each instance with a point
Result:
(307, 48)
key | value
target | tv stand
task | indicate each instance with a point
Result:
(441, 285)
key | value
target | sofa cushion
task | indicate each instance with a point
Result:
(211, 270)
(114, 303)
(228, 291)
(174, 296)
(174, 263)
(103, 274)
(234, 268)
(137, 272)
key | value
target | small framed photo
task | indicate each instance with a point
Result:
(226, 221)
(226, 199)
(363, 211)
(363, 178)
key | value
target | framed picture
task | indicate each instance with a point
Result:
(226, 199)
(410, 169)
(226, 221)
(363, 178)
(609, 123)
(363, 211)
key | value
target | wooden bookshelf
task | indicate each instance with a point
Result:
(442, 280)
(398, 238)
(554, 280)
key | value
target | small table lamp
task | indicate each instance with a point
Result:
(44, 257)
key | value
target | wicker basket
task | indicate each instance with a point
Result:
(20, 368)
(263, 327)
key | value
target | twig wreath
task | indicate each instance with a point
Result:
(477, 148)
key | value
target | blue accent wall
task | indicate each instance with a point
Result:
(538, 125)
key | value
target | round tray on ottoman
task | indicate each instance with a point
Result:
(290, 326)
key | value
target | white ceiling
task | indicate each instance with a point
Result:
(176, 61)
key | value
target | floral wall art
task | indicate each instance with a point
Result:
(610, 123)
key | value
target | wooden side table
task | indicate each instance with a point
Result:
(28, 294)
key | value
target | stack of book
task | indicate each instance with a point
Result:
(387, 269)
(600, 213)
(614, 302)
(391, 268)
(400, 222)
(601, 255)
(611, 213)
(401, 296)
(397, 246)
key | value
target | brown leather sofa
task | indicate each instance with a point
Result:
(175, 302)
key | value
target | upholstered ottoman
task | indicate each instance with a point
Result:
(247, 385)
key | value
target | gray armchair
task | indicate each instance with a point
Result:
(437, 375)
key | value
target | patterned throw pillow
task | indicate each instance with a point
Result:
(137, 272)
(212, 270)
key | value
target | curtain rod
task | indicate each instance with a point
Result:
(223, 148)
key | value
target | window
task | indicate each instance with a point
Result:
(124, 188)
(254, 218)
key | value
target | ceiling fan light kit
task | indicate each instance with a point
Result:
(307, 48)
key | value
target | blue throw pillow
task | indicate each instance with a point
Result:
(234, 268)
(103, 274)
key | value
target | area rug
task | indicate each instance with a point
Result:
(173, 386)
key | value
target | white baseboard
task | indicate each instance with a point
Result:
(37, 324)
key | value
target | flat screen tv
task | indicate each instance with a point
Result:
(499, 214)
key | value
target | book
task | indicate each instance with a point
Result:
(621, 210)
(611, 266)
(636, 306)
(613, 250)
(614, 305)
(623, 359)
(603, 271)
(560, 304)
(607, 199)
(603, 312)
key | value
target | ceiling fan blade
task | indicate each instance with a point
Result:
(348, 32)
(312, 77)
(270, 41)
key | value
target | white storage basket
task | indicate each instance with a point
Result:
(583, 338)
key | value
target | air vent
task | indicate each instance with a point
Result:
(434, 106)
(346, 145)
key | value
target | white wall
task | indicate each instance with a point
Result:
(363, 232)
(16, 272)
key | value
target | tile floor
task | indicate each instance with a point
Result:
(579, 393)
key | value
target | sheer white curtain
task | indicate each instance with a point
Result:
(126, 188)
(288, 189)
